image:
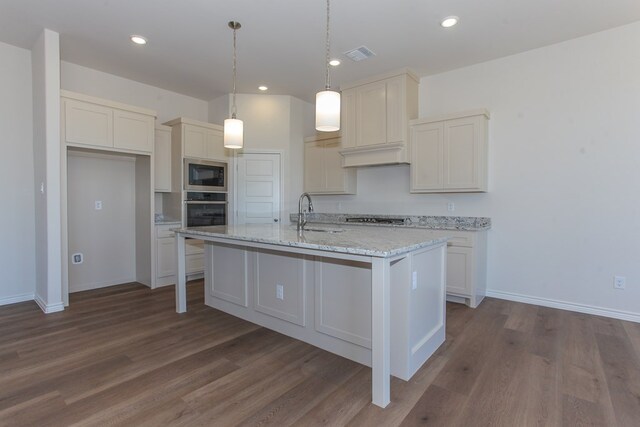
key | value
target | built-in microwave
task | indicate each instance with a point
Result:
(204, 175)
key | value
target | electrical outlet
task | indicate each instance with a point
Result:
(451, 206)
(619, 282)
(77, 258)
(280, 292)
(414, 280)
(98, 205)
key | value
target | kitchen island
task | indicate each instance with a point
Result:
(376, 296)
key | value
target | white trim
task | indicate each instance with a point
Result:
(16, 298)
(563, 305)
(48, 308)
(103, 284)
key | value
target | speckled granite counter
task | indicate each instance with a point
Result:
(460, 223)
(160, 219)
(378, 242)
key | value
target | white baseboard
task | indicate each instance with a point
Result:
(48, 308)
(98, 285)
(16, 298)
(564, 305)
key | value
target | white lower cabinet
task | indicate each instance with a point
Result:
(165, 273)
(194, 256)
(327, 302)
(466, 266)
(166, 255)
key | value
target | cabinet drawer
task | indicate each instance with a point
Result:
(194, 247)
(194, 263)
(164, 232)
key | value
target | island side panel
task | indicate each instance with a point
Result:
(231, 275)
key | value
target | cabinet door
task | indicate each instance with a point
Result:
(461, 153)
(88, 124)
(162, 160)
(132, 131)
(313, 167)
(214, 145)
(396, 110)
(371, 114)
(427, 144)
(166, 257)
(195, 141)
(459, 271)
(348, 119)
(336, 177)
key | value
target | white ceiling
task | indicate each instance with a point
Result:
(281, 43)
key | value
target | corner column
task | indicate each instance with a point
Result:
(181, 280)
(380, 331)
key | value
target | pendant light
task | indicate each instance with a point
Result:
(233, 128)
(327, 101)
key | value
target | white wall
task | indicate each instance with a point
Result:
(277, 122)
(106, 237)
(564, 175)
(219, 109)
(17, 245)
(168, 105)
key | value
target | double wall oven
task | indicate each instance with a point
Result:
(205, 193)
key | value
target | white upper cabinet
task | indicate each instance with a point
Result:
(162, 159)
(132, 131)
(323, 171)
(104, 124)
(199, 140)
(375, 119)
(449, 153)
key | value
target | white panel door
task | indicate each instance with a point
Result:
(258, 188)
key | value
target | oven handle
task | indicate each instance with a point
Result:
(192, 202)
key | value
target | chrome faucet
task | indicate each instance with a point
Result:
(302, 215)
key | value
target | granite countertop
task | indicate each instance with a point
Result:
(160, 219)
(167, 222)
(378, 242)
(459, 223)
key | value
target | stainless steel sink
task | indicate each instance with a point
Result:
(324, 230)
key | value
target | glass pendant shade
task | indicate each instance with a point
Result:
(327, 111)
(233, 133)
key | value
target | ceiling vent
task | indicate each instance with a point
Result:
(360, 53)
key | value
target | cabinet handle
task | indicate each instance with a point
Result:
(275, 219)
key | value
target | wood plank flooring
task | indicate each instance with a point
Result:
(122, 356)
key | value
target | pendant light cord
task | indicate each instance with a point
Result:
(233, 110)
(327, 77)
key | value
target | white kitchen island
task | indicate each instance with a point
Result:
(374, 295)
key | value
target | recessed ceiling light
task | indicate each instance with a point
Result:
(449, 21)
(138, 39)
(334, 62)
(263, 88)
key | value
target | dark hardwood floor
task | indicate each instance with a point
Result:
(122, 356)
